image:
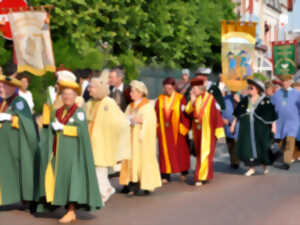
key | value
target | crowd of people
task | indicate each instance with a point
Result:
(93, 124)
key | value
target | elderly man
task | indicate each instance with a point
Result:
(19, 145)
(68, 176)
(183, 86)
(118, 90)
(203, 73)
(207, 128)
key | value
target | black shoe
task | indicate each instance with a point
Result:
(125, 190)
(116, 174)
(234, 166)
(142, 193)
(284, 166)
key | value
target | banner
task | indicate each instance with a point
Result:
(32, 41)
(284, 58)
(238, 49)
(5, 5)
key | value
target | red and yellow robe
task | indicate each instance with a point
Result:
(173, 126)
(207, 128)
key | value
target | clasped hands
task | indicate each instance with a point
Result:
(135, 119)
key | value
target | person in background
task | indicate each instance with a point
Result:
(255, 114)
(213, 89)
(23, 91)
(67, 173)
(109, 131)
(172, 128)
(118, 90)
(141, 172)
(231, 100)
(84, 81)
(183, 86)
(207, 128)
(287, 105)
(269, 88)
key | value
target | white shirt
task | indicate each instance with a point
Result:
(120, 88)
(28, 97)
(84, 85)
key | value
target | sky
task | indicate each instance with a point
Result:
(295, 16)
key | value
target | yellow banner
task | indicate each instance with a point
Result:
(32, 41)
(238, 46)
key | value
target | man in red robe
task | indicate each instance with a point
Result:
(172, 128)
(207, 127)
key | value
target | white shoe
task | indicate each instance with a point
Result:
(250, 172)
(198, 184)
(266, 171)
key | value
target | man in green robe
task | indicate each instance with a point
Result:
(19, 146)
(68, 175)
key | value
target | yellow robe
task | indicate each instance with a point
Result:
(143, 167)
(109, 131)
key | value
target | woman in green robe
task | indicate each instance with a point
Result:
(68, 176)
(256, 114)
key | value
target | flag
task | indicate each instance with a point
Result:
(32, 41)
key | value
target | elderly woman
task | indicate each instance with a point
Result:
(70, 177)
(255, 113)
(109, 132)
(141, 172)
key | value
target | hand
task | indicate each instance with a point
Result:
(5, 117)
(236, 98)
(136, 119)
(232, 129)
(274, 128)
(57, 126)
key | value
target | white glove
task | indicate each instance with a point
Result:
(5, 117)
(57, 126)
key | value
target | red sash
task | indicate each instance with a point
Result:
(64, 120)
(6, 103)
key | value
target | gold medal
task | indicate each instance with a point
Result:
(198, 127)
(283, 102)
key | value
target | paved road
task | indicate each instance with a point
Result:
(230, 199)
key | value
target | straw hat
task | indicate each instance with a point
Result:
(67, 79)
(10, 80)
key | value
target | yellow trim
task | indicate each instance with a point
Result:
(176, 116)
(15, 122)
(219, 132)
(183, 130)
(35, 71)
(70, 131)
(205, 141)
(10, 80)
(49, 182)
(163, 135)
(46, 114)
(189, 107)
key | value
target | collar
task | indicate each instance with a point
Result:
(120, 88)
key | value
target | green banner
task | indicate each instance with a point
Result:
(284, 60)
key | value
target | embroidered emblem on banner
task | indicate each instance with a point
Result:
(80, 116)
(20, 106)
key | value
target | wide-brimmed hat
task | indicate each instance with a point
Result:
(257, 83)
(67, 79)
(140, 86)
(285, 77)
(10, 80)
(197, 81)
(203, 71)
